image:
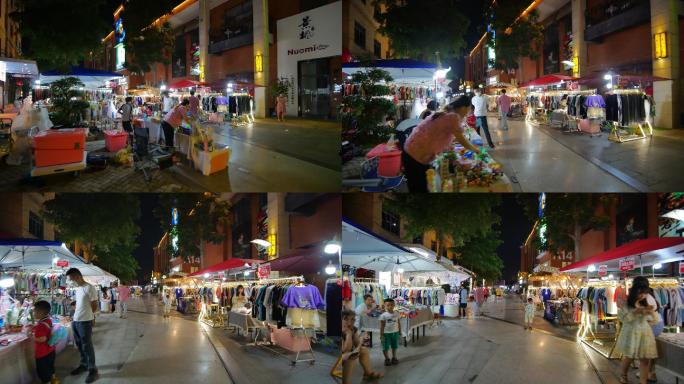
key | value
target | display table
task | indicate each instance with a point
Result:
(671, 353)
(408, 325)
(243, 322)
(423, 317)
(16, 360)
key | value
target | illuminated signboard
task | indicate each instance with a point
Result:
(120, 56)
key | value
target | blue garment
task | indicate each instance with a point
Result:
(83, 336)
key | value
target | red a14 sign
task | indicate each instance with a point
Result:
(602, 270)
(62, 263)
(681, 267)
(627, 264)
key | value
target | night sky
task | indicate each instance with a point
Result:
(515, 227)
(150, 234)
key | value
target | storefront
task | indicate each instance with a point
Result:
(309, 50)
(32, 270)
(16, 80)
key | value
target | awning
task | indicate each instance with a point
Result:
(18, 67)
(300, 264)
(647, 252)
(185, 84)
(233, 263)
(91, 78)
(401, 70)
(362, 248)
(547, 80)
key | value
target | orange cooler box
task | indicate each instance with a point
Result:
(58, 146)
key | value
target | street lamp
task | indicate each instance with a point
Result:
(261, 242)
(330, 269)
(334, 247)
(591, 268)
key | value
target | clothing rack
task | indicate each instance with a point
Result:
(364, 280)
(299, 278)
(639, 133)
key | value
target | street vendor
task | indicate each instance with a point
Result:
(173, 120)
(432, 137)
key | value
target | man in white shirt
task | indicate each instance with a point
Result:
(479, 101)
(82, 325)
(364, 309)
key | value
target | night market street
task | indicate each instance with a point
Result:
(267, 156)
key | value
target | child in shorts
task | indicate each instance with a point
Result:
(389, 332)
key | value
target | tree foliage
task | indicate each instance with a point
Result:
(566, 218)
(62, 32)
(479, 255)
(105, 224)
(514, 37)
(201, 217)
(67, 101)
(458, 217)
(414, 36)
(147, 44)
(367, 109)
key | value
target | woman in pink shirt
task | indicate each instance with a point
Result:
(281, 101)
(173, 120)
(432, 137)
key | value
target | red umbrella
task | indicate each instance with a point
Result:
(184, 84)
(226, 265)
(548, 80)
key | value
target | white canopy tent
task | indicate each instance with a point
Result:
(39, 255)
(364, 249)
(452, 275)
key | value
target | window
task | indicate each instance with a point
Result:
(390, 222)
(35, 225)
(359, 35)
(377, 49)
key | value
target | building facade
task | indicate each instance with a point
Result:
(251, 44)
(592, 38)
(360, 36)
(21, 213)
(10, 39)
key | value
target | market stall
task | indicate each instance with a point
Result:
(32, 270)
(599, 299)
(384, 269)
(555, 294)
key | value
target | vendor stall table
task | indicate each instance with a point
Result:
(16, 359)
(408, 325)
(243, 322)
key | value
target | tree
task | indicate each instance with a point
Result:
(201, 217)
(60, 33)
(67, 102)
(104, 224)
(514, 37)
(479, 255)
(147, 43)
(566, 217)
(414, 37)
(457, 217)
(366, 109)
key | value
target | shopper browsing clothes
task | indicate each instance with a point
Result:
(124, 294)
(126, 111)
(173, 120)
(431, 137)
(636, 340)
(353, 349)
(389, 332)
(529, 313)
(480, 103)
(44, 352)
(82, 324)
(504, 102)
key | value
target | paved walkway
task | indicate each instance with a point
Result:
(249, 364)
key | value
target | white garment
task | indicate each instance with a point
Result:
(391, 321)
(84, 295)
(360, 311)
(611, 307)
(480, 104)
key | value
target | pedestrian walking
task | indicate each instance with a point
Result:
(194, 104)
(504, 102)
(281, 102)
(430, 138)
(126, 111)
(463, 301)
(82, 325)
(113, 298)
(636, 339)
(166, 299)
(529, 313)
(124, 294)
(480, 103)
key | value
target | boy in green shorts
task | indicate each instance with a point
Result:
(389, 332)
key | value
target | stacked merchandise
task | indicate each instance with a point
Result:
(360, 288)
(461, 168)
(670, 300)
(429, 296)
(287, 304)
(187, 300)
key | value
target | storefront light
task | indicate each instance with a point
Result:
(259, 63)
(657, 266)
(206, 275)
(162, 87)
(591, 268)
(261, 242)
(607, 76)
(332, 247)
(163, 276)
(660, 45)
(611, 277)
(400, 270)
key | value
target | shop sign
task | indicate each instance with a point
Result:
(62, 263)
(264, 271)
(602, 270)
(681, 267)
(174, 216)
(627, 264)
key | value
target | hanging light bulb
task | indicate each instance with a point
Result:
(657, 266)
(592, 268)
(400, 270)
(330, 269)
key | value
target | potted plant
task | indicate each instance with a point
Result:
(67, 102)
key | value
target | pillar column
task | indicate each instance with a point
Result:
(262, 39)
(204, 21)
(580, 46)
(666, 94)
